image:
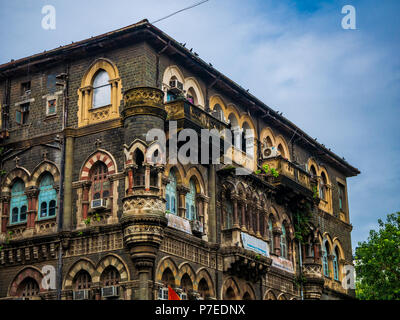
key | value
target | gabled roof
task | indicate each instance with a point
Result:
(144, 30)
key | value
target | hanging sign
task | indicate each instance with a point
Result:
(254, 244)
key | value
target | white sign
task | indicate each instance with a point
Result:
(178, 223)
(283, 264)
(255, 244)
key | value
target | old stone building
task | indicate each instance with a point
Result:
(82, 198)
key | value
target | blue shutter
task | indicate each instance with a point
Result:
(47, 197)
(19, 202)
(191, 202)
(171, 193)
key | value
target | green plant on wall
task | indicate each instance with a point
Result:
(268, 171)
(315, 192)
(302, 223)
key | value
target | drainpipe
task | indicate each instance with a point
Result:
(64, 82)
(301, 269)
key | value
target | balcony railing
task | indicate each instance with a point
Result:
(290, 175)
(190, 116)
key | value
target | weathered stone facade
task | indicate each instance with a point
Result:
(110, 210)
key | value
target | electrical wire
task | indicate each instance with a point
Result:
(184, 9)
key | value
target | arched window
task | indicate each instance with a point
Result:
(325, 263)
(192, 96)
(322, 186)
(281, 151)
(313, 171)
(203, 288)
(191, 201)
(28, 288)
(248, 140)
(271, 236)
(283, 243)
(186, 283)
(139, 180)
(171, 196)
(47, 197)
(228, 214)
(110, 277)
(101, 90)
(100, 182)
(19, 202)
(336, 264)
(82, 280)
(236, 132)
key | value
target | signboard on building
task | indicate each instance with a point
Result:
(255, 244)
(283, 264)
(178, 223)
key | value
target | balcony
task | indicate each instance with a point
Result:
(292, 178)
(190, 116)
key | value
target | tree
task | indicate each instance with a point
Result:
(377, 262)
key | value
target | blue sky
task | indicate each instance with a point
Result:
(341, 86)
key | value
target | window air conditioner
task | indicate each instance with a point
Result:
(99, 204)
(270, 152)
(197, 226)
(176, 86)
(81, 295)
(110, 292)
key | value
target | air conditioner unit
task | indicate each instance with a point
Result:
(176, 86)
(110, 292)
(197, 226)
(28, 92)
(163, 294)
(81, 295)
(270, 152)
(99, 204)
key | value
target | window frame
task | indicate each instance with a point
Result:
(19, 201)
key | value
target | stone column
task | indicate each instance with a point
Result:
(68, 172)
(277, 240)
(181, 205)
(243, 214)
(235, 212)
(85, 199)
(5, 212)
(147, 176)
(32, 195)
(258, 209)
(212, 220)
(130, 179)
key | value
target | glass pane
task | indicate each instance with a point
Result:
(96, 196)
(52, 208)
(23, 213)
(14, 217)
(43, 210)
(102, 96)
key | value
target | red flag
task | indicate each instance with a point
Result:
(172, 295)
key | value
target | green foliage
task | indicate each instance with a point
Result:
(316, 193)
(302, 223)
(299, 280)
(87, 221)
(268, 170)
(377, 262)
